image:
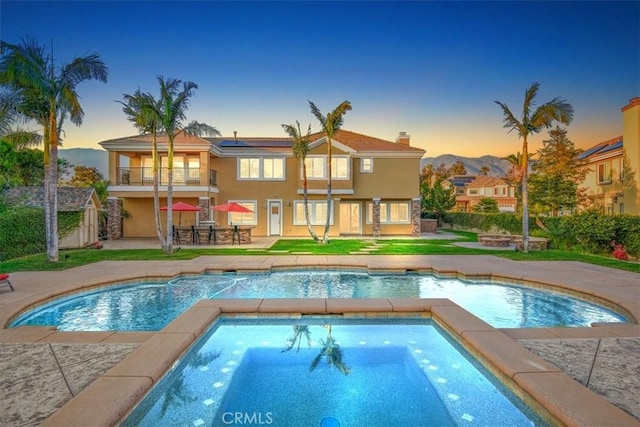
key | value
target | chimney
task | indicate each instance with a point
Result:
(403, 138)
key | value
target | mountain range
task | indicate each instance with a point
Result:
(498, 167)
(89, 157)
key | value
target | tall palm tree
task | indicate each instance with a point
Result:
(514, 174)
(300, 151)
(174, 101)
(48, 95)
(330, 124)
(144, 111)
(484, 169)
(556, 110)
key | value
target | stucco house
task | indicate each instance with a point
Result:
(471, 189)
(70, 199)
(614, 165)
(375, 184)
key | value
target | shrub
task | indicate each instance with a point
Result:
(619, 251)
(23, 230)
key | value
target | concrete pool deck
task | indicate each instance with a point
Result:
(43, 369)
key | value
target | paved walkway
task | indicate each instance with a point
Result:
(42, 368)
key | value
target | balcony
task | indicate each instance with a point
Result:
(181, 176)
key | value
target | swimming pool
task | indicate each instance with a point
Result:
(151, 306)
(389, 372)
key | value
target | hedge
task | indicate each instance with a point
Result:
(589, 231)
(23, 230)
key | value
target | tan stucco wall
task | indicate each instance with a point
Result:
(631, 138)
(404, 185)
(141, 223)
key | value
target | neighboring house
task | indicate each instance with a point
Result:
(375, 184)
(470, 189)
(70, 199)
(613, 186)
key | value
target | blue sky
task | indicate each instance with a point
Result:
(432, 69)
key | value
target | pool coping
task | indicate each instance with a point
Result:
(616, 288)
(552, 394)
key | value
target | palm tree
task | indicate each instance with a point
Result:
(174, 103)
(48, 95)
(514, 174)
(533, 122)
(330, 125)
(484, 169)
(300, 151)
(144, 111)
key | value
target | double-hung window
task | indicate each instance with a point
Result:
(317, 213)
(244, 218)
(340, 167)
(261, 168)
(366, 165)
(317, 167)
(390, 213)
(604, 173)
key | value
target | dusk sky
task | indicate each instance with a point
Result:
(432, 69)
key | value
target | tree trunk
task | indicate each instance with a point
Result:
(156, 192)
(525, 196)
(325, 236)
(51, 190)
(306, 201)
(169, 245)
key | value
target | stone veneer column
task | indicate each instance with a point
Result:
(416, 211)
(114, 218)
(375, 220)
(204, 204)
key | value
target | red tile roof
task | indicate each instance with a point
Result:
(360, 142)
(485, 181)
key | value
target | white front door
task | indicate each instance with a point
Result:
(275, 216)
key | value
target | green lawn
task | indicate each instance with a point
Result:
(75, 258)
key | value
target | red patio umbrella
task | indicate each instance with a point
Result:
(182, 207)
(231, 207)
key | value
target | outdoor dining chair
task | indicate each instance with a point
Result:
(212, 235)
(4, 281)
(195, 237)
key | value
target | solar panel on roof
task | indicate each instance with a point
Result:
(233, 143)
(611, 147)
(590, 151)
(264, 143)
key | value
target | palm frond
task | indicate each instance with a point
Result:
(200, 129)
(529, 103)
(557, 109)
(318, 114)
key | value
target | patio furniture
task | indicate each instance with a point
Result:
(235, 235)
(212, 235)
(195, 237)
(4, 281)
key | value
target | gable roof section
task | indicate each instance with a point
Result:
(70, 199)
(143, 142)
(485, 181)
(602, 147)
(347, 140)
(364, 143)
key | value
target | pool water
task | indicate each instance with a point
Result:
(151, 306)
(379, 373)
